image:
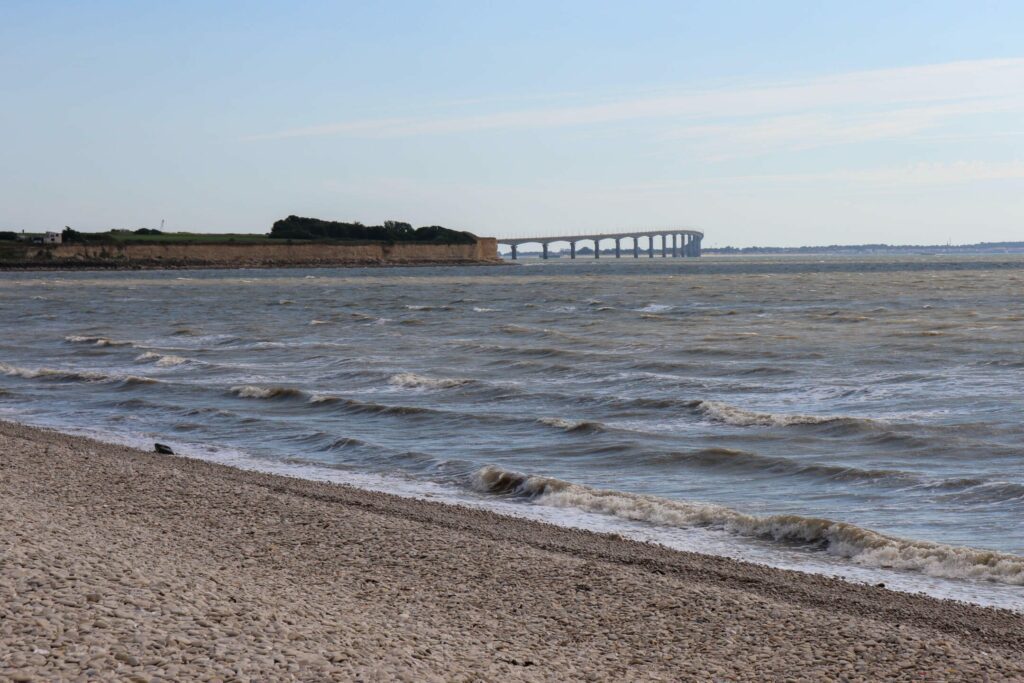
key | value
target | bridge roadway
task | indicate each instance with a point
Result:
(675, 241)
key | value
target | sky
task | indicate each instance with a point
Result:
(778, 123)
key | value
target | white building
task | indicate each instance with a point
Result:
(52, 238)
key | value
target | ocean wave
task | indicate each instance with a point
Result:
(352, 405)
(411, 380)
(577, 426)
(425, 307)
(753, 462)
(842, 539)
(738, 417)
(95, 341)
(342, 443)
(511, 328)
(73, 375)
(250, 391)
(655, 308)
(164, 361)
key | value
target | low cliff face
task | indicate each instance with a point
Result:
(226, 255)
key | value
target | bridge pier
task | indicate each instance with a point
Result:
(684, 243)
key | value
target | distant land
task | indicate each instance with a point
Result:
(979, 248)
(291, 242)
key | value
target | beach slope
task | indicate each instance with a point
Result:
(136, 566)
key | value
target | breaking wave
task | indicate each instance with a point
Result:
(655, 308)
(250, 391)
(73, 375)
(352, 405)
(578, 426)
(160, 359)
(738, 417)
(860, 545)
(95, 341)
(411, 380)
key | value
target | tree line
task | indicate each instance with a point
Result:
(299, 228)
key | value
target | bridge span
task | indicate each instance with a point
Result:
(677, 242)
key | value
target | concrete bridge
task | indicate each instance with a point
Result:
(676, 242)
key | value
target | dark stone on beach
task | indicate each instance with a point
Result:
(160, 448)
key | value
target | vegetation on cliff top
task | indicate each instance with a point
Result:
(293, 228)
(299, 228)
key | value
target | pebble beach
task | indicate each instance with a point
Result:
(118, 564)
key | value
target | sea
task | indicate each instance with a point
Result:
(854, 416)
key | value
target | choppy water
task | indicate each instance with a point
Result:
(724, 405)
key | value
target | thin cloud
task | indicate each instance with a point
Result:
(816, 129)
(923, 173)
(979, 83)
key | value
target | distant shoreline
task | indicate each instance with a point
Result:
(179, 256)
(882, 249)
(136, 267)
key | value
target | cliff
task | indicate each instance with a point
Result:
(284, 255)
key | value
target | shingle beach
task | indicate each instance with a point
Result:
(116, 564)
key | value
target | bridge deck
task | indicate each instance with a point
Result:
(684, 242)
(602, 236)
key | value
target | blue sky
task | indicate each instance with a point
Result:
(759, 123)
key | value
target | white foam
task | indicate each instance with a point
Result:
(738, 417)
(250, 391)
(841, 539)
(71, 374)
(96, 341)
(571, 425)
(411, 380)
(164, 361)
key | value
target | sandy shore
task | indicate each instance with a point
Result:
(132, 566)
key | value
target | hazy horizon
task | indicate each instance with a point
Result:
(785, 125)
